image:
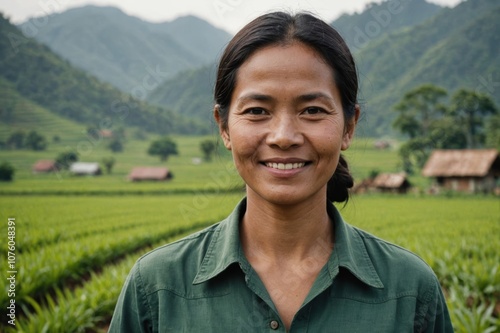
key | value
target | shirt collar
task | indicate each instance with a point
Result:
(224, 248)
(349, 250)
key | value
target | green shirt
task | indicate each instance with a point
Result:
(204, 283)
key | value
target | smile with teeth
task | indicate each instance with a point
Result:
(285, 166)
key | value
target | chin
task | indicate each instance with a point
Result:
(285, 197)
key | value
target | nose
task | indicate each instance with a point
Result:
(284, 132)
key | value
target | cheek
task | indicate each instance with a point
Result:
(244, 141)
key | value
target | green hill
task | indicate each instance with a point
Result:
(379, 19)
(189, 92)
(457, 48)
(40, 76)
(124, 50)
(20, 113)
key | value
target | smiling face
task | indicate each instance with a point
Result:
(285, 124)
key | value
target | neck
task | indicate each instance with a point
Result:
(284, 234)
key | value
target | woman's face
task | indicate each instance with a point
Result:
(285, 124)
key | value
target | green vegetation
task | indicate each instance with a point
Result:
(6, 172)
(430, 124)
(208, 147)
(77, 237)
(163, 148)
(73, 94)
(443, 50)
(62, 238)
(131, 54)
(417, 44)
(377, 19)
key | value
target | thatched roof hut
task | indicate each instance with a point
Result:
(43, 166)
(391, 182)
(149, 173)
(466, 170)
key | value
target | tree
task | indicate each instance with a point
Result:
(163, 148)
(207, 148)
(469, 109)
(493, 132)
(421, 116)
(65, 159)
(418, 109)
(16, 140)
(6, 172)
(35, 141)
(116, 146)
(108, 162)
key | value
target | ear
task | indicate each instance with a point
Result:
(350, 127)
(222, 129)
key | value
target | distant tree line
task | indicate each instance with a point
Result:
(469, 120)
(20, 140)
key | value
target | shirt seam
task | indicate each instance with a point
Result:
(188, 238)
(173, 291)
(425, 301)
(368, 236)
(383, 300)
(145, 296)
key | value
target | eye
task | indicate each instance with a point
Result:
(313, 110)
(256, 111)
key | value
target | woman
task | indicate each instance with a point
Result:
(284, 260)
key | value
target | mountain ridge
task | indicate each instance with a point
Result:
(118, 48)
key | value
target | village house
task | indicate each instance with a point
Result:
(464, 170)
(44, 166)
(391, 183)
(85, 169)
(149, 173)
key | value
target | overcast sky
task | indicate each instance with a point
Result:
(230, 15)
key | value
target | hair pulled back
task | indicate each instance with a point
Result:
(281, 28)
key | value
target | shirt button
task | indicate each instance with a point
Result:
(274, 324)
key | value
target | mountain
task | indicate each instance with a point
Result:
(457, 48)
(131, 54)
(40, 76)
(378, 19)
(189, 92)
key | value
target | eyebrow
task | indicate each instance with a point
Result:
(314, 96)
(302, 98)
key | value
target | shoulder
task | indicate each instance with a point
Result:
(176, 263)
(398, 267)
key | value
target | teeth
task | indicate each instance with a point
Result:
(285, 166)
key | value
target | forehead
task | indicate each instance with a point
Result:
(294, 68)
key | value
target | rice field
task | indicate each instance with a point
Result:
(73, 253)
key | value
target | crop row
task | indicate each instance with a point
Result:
(85, 307)
(44, 268)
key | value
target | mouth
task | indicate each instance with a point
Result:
(285, 166)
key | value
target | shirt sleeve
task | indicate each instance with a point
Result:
(434, 316)
(132, 311)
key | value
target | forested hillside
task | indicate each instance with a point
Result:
(189, 93)
(123, 50)
(397, 48)
(39, 75)
(457, 48)
(379, 19)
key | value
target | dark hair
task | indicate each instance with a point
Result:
(283, 28)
